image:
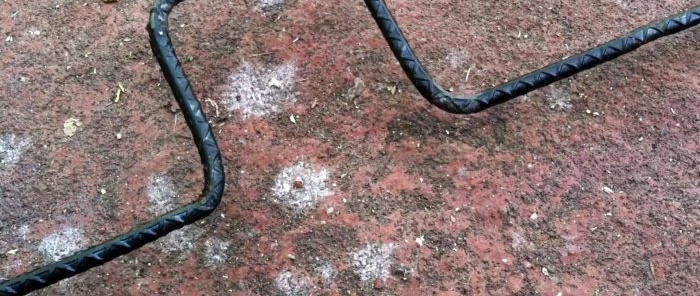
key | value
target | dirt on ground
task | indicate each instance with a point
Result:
(341, 179)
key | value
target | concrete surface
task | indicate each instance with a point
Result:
(587, 187)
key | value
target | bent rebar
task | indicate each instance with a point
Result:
(211, 158)
(504, 92)
(164, 224)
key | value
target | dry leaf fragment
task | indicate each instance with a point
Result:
(120, 91)
(70, 126)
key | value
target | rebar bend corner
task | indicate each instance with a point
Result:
(211, 157)
(150, 231)
(504, 92)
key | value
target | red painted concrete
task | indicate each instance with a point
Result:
(587, 187)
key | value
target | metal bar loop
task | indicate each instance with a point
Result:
(150, 231)
(211, 157)
(504, 92)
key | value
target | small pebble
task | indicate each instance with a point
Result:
(119, 136)
(420, 240)
(608, 190)
(404, 272)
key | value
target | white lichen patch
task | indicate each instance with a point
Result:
(216, 252)
(267, 5)
(24, 231)
(181, 241)
(256, 91)
(62, 244)
(11, 149)
(301, 186)
(559, 99)
(373, 261)
(621, 3)
(325, 269)
(517, 240)
(292, 285)
(161, 194)
(458, 59)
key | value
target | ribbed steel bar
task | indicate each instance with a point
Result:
(148, 232)
(211, 158)
(504, 92)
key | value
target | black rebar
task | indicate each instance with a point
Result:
(164, 224)
(504, 92)
(211, 157)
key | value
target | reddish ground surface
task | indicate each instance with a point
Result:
(587, 187)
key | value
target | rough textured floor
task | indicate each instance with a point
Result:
(342, 180)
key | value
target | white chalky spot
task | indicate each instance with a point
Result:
(180, 241)
(458, 59)
(559, 99)
(216, 252)
(63, 243)
(312, 186)
(517, 240)
(11, 149)
(256, 91)
(266, 5)
(373, 261)
(292, 285)
(24, 231)
(161, 194)
(621, 3)
(325, 269)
